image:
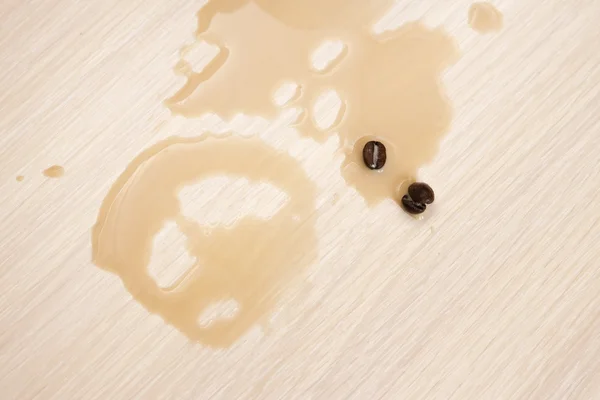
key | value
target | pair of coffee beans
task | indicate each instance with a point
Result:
(419, 194)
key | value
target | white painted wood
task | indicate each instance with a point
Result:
(494, 295)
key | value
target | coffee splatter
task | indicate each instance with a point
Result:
(55, 171)
(389, 90)
(485, 18)
(389, 84)
(249, 262)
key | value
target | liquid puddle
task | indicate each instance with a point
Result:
(388, 87)
(389, 84)
(55, 171)
(248, 262)
(485, 18)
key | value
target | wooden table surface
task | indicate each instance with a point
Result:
(493, 295)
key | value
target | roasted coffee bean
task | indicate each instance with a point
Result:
(374, 155)
(411, 206)
(421, 192)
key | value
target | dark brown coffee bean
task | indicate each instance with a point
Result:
(421, 192)
(374, 155)
(412, 207)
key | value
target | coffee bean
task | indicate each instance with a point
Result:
(411, 206)
(374, 155)
(421, 192)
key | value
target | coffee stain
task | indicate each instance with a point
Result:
(389, 87)
(20, 178)
(389, 84)
(55, 171)
(249, 262)
(485, 18)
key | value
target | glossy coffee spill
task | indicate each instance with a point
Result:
(485, 18)
(389, 89)
(249, 262)
(389, 84)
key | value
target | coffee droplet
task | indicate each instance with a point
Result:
(55, 171)
(374, 155)
(421, 193)
(412, 207)
(20, 178)
(485, 18)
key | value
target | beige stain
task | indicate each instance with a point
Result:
(389, 84)
(55, 171)
(20, 178)
(389, 87)
(249, 262)
(483, 17)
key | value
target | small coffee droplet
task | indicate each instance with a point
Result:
(374, 155)
(55, 171)
(421, 192)
(412, 207)
(20, 178)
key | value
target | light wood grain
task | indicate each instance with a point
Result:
(493, 296)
